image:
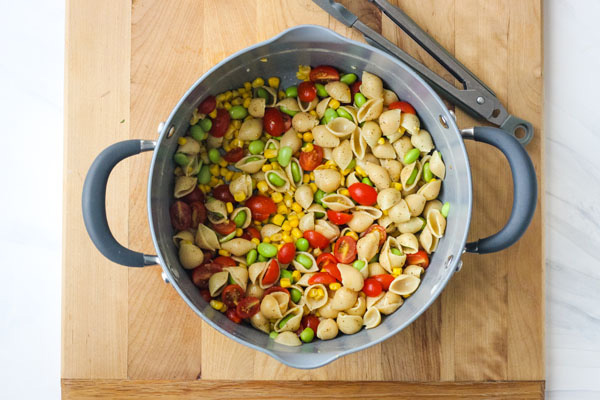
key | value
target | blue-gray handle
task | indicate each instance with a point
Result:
(524, 189)
(93, 203)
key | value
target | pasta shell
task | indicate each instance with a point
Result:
(281, 174)
(406, 173)
(269, 230)
(290, 103)
(389, 121)
(402, 146)
(387, 198)
(327, 329)
(327, 311)
(322, 107)
(341, 127)
(404, 285)
(385, 151)
(387, 258)
(290, 175)
(393, 167)
(430, 205)
(216, 211)
(274, 305)
(251, 129)
(304, 122)
(327, 179)
(399, 212)
(359, 144)
(183, 236)
(430, 190)
(206, 238)
(411, 123)
(372, 86)
(414, 270)
(436, 165)
(349, 324)
(324, 138)
(272, 144)
(361, 221)
(190, 147)
(304, 279)
(190, 256)
(214, 142)
(376, 269)
(387, 224)
(239, 275)
(312, 302)
(254, 290)
(327, 229)
(307, 106)
(371, 133)
(372, 211)
(358, 308)
(288, 339)
(436, 223)
(351, 179)
(251, 163)
(301, 268)
(339, 91)
(408, 243)
(291, 140)
(372, 301)
(372, 318)
(342, 155)
(257, 107)
(293, 323)
(415, 203)
(337, 202)
(351, 278)
(241, 184)
(352, 111)
(389, 303)
(184, 185)
(428, 241)
(317, 209)
(238, 246)
(307, 222)
(370, 111)
(343, 299)
(368, 245)
(389, 97)
(256, 271)
(378, 175)
(217, 282)
(260, 322)
(413, 225)
(272, 100)
(422, 141)
(304, 196)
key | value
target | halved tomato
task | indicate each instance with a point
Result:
(196, 195)
(309, 160)
(202, 273)
(198, 213)
(372, 287)
(220, 123)
(338, 218)
(271, 274)
(233, 315)
(225, 228)
(332, 269)
(261, 207)
(275, 289)
(251, 233)
(286, 253)
(181, 215)
(345, 250)
(324, 259)
(234, 155)
(402, 106)
(224, 261)
(419, 258)
(232, 294)
(321, 277)
(316, 239)
(363, 194)
(385, 280)
(380, 229)
(324, 73)
(247, 307)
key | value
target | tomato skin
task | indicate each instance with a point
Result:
(196, 195)
(419, 258)
(311, 159)
(251, 233)
(181, 215)
(310, 321)
(234, 155)
(316, 239)
(286, 253)
(321, 277)
(205, 295)
(207, 105)
(380, 229)
(372, 287)
(355, 88)
(225, 228)
(324, 259)
(384, 280)
(307, 91)
(198, 213)
(202, 273)
(324, 73)
(222, 193)
(345, 250)
(273, 122)
(271, 274)
(275, 289)
(287, 122)
(338, 218)
(232, 314)
(247, 307)
(224, 261)
(220, 123)
(402, 106)
(261, 207)
(232, 294)
(332, 269)
(363, 194)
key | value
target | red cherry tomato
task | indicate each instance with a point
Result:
(332, 269)
(271, 274)
(385, 280)
(309, 160)
(310, 321)
(287, 122)
(307, 91)
(275, 289)
(196, 195)
(380, 229)
(273, 122)
(345, 250)
(324, 73)
(202, 273)
(233, 315)
(224, 261)
(324, 259)
(247, 307)
(419, 258)
(181, 215)
(402, 106)
(234, 155)
(222, 193)
(338, 218)
(205, 295)
(261, 207)
(220, 123)
(355, 88)
(232, 294)
(208, 105)
(321, 277)
(363, 193)
(198, 213)
(372, 287)
(316, 239)
(225, 228)
(251, 233)
(286, 253)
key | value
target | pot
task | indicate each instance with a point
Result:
(313, 45)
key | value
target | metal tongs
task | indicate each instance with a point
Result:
(475, 98)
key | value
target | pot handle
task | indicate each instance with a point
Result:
(93, 203)
(524, 189)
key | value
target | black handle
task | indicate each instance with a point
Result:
(93, 203)
(524, 189)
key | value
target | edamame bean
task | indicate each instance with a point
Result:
(302, 244)
(427, 175)
(319, 215)
(251, 257)
(329, 114)
(214, 156)
(197, 133)
(307, 335)
(287, 111)
(304, 260)
(276, 180)
(206, 124)
(359, 99)
(267, 250)
(240, 218)
(286, 274)
(284, 156)
(292, 91)
(250, 159)
(411, 156)
(262, 93)
(296, 172)
(345, 114)
(238, 112)
(367, 181)
(396, 252)
(319, 194)
(321, 92)
(348, 79)
(358, 264)
(256, 147)
(352, 164)
(261, 258)
(227, 238)
(273, 335)
(295, 295)
(374, 259)
(285, 320)
(423, 221)
(412, 177)
(181, 159)
(445, 209)
(204, 175)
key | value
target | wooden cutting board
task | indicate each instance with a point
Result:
(128, 334)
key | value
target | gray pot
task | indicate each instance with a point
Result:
(313, 45)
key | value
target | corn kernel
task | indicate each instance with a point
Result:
(276, 237)
(237, 101)
(277, 197)
(294, 223)
(396, 271)
(386, 212)
(213, 181)
(227, 105)
(352, 234)
(285, 282)
(239, 196)
(312, 176)
(229, 206)
(258, 82)
(335, 286)
(346, 172)
(344, 192)
(287, 238)
(214, 170)
(342, 181)
(397, 185)
(360, 171)
(273, 82)
(317, 252)
(228, 175)
(296, 207)
(181, 141)
(270, 153)
(216, 304)
(239, 232)
(320, 294)
(236, 175)
(330, 163)
(282, 209)
(334, 104)
(224, 253)
(296, 233)
(226, 147)
(286, 226)
(313, 113)
(301, 214)
(262, 186)
(247, 86)
(266, 240)
(317, 314)
(281, 95)
(266, 167)
(213, 113)
(308, 147)
(278, 220)
(256, 241)
(381, 140)
(296, 276)
(312, 293)
(308, 137)
(220, 97)
(306, 178)
(275, 165)
(246, 102)
(228, 95)
(303, 72)
(313, 186)
(223, 171)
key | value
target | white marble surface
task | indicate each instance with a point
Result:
(31, 105)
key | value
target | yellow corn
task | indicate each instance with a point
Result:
(228, 175)
(214, 170)
(296, 276)
(334, 104)
(237, 101)
(288, 199)
(301, 214)
(273, 82)
(313, 186)
(271, 153)
(227, 105)
(224, 253)
(342, 181)
(313, 113)
(396, 271)
(281, 95)
(317, 252)
(229, 206)
(294, 223)
(303, 72)
(360, 171)
(312, 176)
(312, 293)
(287, 238)
(246, 102)
(286, 226)
(316, 293)
(239, 196)
(385, 212)
(223, 171)
(266, 240)
(277, 197)
(216, 304)
(344, 192)
(181, 141)
(278, 220)
(308, 137)
(237, 143)
(330, 163)
(397, 185)
(235, 93)
(296, 207)
(239, 232)
(258, 82)
(262, 186)
(275, 165)
(352, 234)
(285, 282)
(213, 113)
(223, 163)
(296, 233)
(276, 237)
(346, 172)
(226, 147)
(308, 147)
(282, 209)
(306, 178)
(381, 140)
(220, 98)
(256, 241)
(247, 85)
(228, 95)
(335, 286)
(266, 167)
(236, 175)
(213, 181)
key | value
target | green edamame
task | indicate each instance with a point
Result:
(352, 164)
(304, 260)
(396, 252)
(321, 92)
(276, 180)
(348, 79)
(359, 99)
(427, 175)
(295, 295)
(214, 156)
(412, 177)
(302, 244)
(374, 259)
(250, 159)
(231, 281)
(238, 112)
(206, 124)
(262, 258)
(251, 257)
(285, 320)
(262, 93)
(445, 209)
(367, 181)
(344, 114)
(286, 274)
(358, 264)
(307, 335)
(204, 175)
(240, 218)
(256, 147)
(181, 159)
(411, 156)
(287, 111)
(319, 194)
(197, 133)
(227, 238)
(292, 91)
(296, 175)
(423, 221)
(267, 250)
(284, 156)
(328, 115)
(273, 335)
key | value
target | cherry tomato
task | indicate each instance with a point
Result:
(205, 295)
(385, 280)
(222, 193)
(271, 274)
(324, 73)
(273, 122)
(232, 294)
(251, 233)
(261, 207)
(234, 155)
(316, 239)
(196, 195)
(233, 315)
(275, 289)
(310, 321)
(202, 273)
(224, 261)
(363, 193)
(332, 269)
(338, 218)
(345, 250)
(181, 215)
(198, 213)
(220, 123)
(309, 160)
(286, 253)
(402, 106)
(355, 88)
(225, 228)
(307, 91)
(321, 277)
(287, 122)
(247, 307)
(208, 105)
(324, 259)
(381, 230)
(419, 258)
(372, 287)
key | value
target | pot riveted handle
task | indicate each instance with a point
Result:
(524, 189)
(94, 203)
